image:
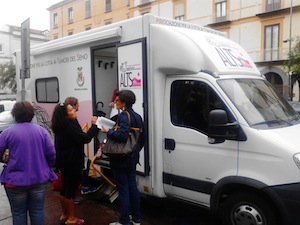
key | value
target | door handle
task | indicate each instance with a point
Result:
(170, 144)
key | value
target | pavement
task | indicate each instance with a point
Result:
(96, 209)
(94, 212)
(93, 208)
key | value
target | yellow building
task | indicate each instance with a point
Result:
(73, 16)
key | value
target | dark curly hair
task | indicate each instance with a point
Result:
(23, 112)
(126, 96)
(59, 117)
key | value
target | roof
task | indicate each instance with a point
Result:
(59, 4)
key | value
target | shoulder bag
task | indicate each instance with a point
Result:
(114, 147)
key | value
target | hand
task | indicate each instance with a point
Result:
(94, 119)
(111, 104)
(99, 153)
(103, 130)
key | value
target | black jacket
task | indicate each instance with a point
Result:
(69, 145)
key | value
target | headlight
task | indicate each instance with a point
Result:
(296, 158)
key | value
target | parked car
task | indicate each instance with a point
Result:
(295, 105)
(6, 105)
(6, 119)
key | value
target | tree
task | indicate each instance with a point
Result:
(292, 65)
(295, 57)
(8, 76)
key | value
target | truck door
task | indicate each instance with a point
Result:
(192, 166)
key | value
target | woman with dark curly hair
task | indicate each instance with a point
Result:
(28, 171)
(69, 142)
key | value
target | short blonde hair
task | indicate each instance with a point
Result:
(72, 101)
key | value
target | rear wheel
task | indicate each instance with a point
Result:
(245, 208)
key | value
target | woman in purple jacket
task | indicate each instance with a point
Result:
(28, 171)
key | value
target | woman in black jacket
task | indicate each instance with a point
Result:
(69, 142)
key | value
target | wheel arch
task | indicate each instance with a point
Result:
(229, 185)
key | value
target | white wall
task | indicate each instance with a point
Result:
(163, 9)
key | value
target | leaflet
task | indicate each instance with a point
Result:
(104, 122)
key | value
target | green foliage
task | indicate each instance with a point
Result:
(8, 76)
(295, 57)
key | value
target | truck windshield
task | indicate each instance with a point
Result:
(259, 103)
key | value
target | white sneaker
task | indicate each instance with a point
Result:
(115, 223)
(134, 223)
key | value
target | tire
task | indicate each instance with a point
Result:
(246, 208)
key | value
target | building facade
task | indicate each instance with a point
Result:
(10, 40)
(73, 16)
(265, 28)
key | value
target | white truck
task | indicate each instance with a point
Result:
(218, 134)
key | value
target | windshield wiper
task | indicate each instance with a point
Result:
(272, 122)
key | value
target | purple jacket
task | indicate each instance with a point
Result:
(32, 154)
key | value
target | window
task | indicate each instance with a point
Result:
(55, 20)
(70, 33)
(179, 11)
(144, 1)
(272, 42)
(55, 36)
(87, 28)
(107, 5)
(191, 102)
(272, 5)
(47, 90)
(87, 9)
(220, 10)
(261, 105)
(70, 15)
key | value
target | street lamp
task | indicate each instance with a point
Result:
(290, 49)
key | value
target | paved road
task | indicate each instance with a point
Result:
(97, 210)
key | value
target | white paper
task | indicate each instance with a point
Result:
(104, 122)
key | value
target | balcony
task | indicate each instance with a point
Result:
(273, 7)
(144, 3)
(276, 11)
(220, 20)
(275, 56)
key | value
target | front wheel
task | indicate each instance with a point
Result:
(244, 208)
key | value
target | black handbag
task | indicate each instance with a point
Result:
(5, 157)
(114, 147)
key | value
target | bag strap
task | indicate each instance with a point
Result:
(129, 119)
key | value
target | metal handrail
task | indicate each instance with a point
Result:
(101, 174)
(95, 169)
(85, 128)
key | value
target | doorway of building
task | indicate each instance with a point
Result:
(275, 80)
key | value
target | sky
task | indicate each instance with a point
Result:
(15, 12)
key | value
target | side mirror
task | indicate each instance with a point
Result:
(220, 130)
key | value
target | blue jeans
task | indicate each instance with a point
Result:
(129, 195)
(27, 198)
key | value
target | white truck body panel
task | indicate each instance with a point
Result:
(150, 56)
